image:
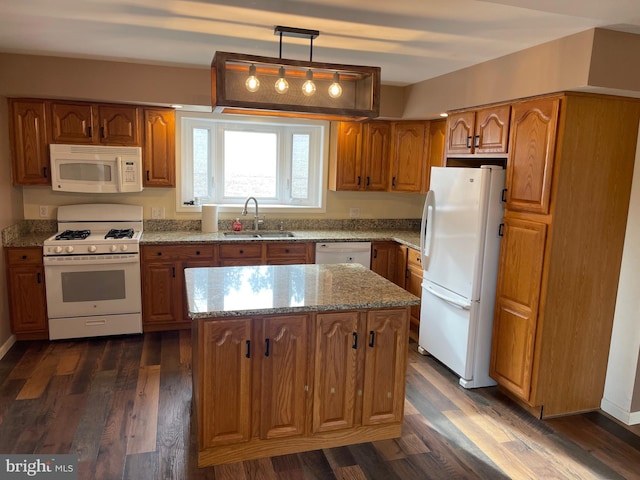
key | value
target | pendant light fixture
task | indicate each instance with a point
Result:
(256, 85)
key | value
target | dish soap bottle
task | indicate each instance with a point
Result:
(237, 225)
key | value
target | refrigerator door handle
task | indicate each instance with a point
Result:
(451, 301)
(426, 228)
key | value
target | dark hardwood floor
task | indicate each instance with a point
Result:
(123, 404)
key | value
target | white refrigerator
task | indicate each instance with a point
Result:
(460, 243)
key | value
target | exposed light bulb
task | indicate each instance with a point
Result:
(252, 83)
(308, 87)
(281, 84)
(335, 89)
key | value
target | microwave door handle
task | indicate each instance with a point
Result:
(119, 173)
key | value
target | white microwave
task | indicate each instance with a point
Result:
(96, 168)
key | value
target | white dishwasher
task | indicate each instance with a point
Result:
(344, 252)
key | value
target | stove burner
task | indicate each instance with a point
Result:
(73, 235)
(122, 233)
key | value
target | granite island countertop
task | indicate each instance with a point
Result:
(279, 289)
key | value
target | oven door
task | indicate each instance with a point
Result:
(82, 286)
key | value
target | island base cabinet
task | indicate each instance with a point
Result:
(280, 384)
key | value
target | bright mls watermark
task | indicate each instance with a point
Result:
(50, 467)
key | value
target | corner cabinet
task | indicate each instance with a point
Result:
(26, 291)
(278, 384)
(158, 155)
(30, 136)
(569, 170)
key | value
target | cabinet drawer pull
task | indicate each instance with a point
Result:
(368, 181)
(173, 271)
(286, 250)
(197, 252)
(248, 354)
(241, 252)
(468, 142)
(393, 182)
(358, 180)
(159, 254)
(24, 257)
(266, 347)
(372, 338)
(355, 341)
(39, 278)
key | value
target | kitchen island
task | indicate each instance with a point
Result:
(295, 357)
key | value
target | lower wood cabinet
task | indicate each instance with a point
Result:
(278, 384)
(26, 291)
(413, 284)
(384, 259)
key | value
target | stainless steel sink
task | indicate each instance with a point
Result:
(264, 234)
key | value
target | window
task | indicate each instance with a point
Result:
(280, 162)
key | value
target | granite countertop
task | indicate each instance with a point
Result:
(278, 289)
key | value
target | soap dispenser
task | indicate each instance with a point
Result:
(237, 225)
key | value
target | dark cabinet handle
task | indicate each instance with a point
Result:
(368, 181)
(39, 278)
(197, 252)
(286, 250)
(186, 203)
(393, 182)
(248, 354)
(266, 347)
(375, 253)
(24, 257)
(477, 142)
(372, 338)
(501, 230)
(173, 271)
(355, 341)
(44, 172)
(89, 132)
(358, 180)
(468, 142)
(159, 254)
(101, 132)
(241, 252)
(504, 195)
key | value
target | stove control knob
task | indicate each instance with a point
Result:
(123, 248)
(69, 249)
(113, 248)
(93, 248)
(58, 249)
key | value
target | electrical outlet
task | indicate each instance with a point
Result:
(354, 212)
(157, 212)
(44, 211)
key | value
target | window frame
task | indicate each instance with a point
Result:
(215, 122)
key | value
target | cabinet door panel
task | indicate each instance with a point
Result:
(384, 371)
(30, 152)
(517, 300)
(72, 123)
(160, 293)
(335, 371)
(284, 376)
(119, 125)
(460, 132)
(159, 148)
(531, 155)
(226, 386)
(27, 299)
(376, 156)
(349, 156)
(408, 157)
(492, 130)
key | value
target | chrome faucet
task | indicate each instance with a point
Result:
(256, 218)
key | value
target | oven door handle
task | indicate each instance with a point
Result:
(72, 260)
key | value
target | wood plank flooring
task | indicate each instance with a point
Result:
(123, 405)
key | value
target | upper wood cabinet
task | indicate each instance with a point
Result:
(408, 155)
(377, 143)
(531, 155)
(79, 123)
(437, 139)
(158, 156)
(29, 134)
(478, 131)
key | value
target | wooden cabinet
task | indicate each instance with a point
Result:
(413, 284)
(29, 133)
(478, 131)
(437, 139)
(79, 123)
(384, 259)
(532, 146)
(240, 254)
(560, 257)
(408, 155)
(26, 292)
(164, 305)
(361, 161)
(276, 384)
(289, 253)
(159, 152)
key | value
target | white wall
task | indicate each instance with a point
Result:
(621, 385)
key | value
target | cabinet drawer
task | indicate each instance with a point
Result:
(279, 249)
(413, 259)
(240, 250)
(177, 252)
(24, 256)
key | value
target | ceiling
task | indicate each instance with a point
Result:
(412, 40)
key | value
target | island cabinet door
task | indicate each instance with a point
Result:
(224, 408)
(337, 343)
(284, 373)
(385, 366)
